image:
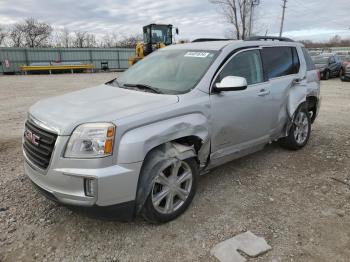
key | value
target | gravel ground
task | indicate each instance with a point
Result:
(287, 197)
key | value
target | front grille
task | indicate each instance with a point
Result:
(39, 151)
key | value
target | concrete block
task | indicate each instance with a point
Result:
(247, 243)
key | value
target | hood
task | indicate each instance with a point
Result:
(102, 103)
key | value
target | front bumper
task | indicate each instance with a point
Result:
(64, 178)
(115, 184)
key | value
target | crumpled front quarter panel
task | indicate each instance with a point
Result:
(136, 143)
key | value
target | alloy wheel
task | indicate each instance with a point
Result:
(301, 131)
(172, 187)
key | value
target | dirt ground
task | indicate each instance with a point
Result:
(287, 197)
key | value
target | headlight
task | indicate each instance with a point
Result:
(91, 141)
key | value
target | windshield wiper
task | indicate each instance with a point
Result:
(142, 86)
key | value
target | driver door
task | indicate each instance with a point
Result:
(241, 119)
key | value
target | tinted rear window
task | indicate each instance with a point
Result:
(280, 61)
(310, 65)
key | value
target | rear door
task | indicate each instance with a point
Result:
(282, 67)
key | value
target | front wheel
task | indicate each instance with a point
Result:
(342, 75)
(300, 131)
(172, 190)
(327, 75)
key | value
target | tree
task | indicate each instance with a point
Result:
(65, 37)
(335, 40)
(36, 33)
(16, 35)
(30, 33)
(79, 39)
(90, 40)
(237, 13)
(109, 40)
(3, 35)
(130, 41)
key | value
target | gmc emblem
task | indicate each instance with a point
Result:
(33, 138)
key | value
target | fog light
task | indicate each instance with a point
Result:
(90, 186)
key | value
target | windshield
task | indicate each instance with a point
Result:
(169, 71)
(320, 59)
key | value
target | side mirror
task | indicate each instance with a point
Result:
(232, 83)
(177, 31)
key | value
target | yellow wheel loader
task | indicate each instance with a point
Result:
(155, 36)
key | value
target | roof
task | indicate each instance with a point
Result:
(211, 45)
(218, 45)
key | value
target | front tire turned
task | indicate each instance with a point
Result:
(299, 132)
(172, 189)
(327, 75)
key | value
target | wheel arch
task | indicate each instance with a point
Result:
(153, 160)
(312, 106)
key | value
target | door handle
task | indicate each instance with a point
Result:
(263, 92)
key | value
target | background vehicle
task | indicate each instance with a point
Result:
(345, 71)
(137, 144)
(155, 36)
(328, 64)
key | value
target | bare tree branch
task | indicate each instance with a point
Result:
(130, 41)
(36, 33)
(109, 40)
(66, 38)
(30, 33)
(17, 36)
(335, 41)
(3, 35)
(79, 39)
(237, 13)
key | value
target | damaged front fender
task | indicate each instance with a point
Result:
(135, 144)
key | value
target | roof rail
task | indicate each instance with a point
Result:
(272, 38)
(209, 40)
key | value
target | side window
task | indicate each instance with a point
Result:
(246, 64)
(310, 65)
(331, 60)
(296, 61)
(278, 61)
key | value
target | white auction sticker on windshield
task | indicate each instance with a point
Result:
(197, 54)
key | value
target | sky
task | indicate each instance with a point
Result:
(305, 19)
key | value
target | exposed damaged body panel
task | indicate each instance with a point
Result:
(136, 143)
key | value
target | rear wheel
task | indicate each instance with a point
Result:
(299, 132)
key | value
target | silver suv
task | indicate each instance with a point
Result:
(137, 144)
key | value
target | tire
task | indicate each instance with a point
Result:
(342, 75)
(327, 75)
(341, 72)
(172, 187)
(299, 132)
